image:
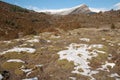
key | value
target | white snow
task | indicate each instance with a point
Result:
(80, 62)
(64, 11)
(110, 44)
(118, 44)
(1, 77)
(15, 60)
(96, 46)
(17, 49)
(103, 39)
(33, 40)
(35, 78)
(23, 45)
(7, 42)
(48, 41)
(26, 70)
(85, 39)
(40, 65)
(53, 36)
(37, 36)
(104, 67)
(72, 78)
(20, 39)
(115, 75)
(110, 57)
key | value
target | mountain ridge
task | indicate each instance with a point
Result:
(83, 8)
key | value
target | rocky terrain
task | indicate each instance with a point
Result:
(54, 47)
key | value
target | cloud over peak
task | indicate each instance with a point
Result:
(117, 6)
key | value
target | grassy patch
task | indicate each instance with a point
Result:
(11, 65)
(102, 75)
(65, 64)
(19, 72)
(13, 55)
(95, 62)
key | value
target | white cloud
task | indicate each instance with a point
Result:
(55, 11)
(98, 9)
(33, 8)
(117, 6)
(63, 11)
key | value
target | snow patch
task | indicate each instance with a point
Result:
(85, 39)
(48, 41)
(95, 46)
(103, 39)
(53, 36)
(26, 70)
(40, 65)
(72, 78)
(115, 75)
(17, 49)
(22, 45)
(118, 44)
(35, 78)
(8, 42)
(110, 44)
(33, 40)
(80, 62)
(15, 60)
(37, 36)
(104, 67)
(1, 77)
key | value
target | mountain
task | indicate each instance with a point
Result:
(82, 9)
(74, 10)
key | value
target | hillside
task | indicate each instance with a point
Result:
(38, 46)
(16, 20)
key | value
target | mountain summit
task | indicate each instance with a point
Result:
(81, 9)
(74, 10)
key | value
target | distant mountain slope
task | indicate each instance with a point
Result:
(74, 10)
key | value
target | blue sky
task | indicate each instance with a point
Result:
(60, 4)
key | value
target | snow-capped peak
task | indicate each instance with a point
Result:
(74, 10)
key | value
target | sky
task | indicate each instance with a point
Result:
(37, 5)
